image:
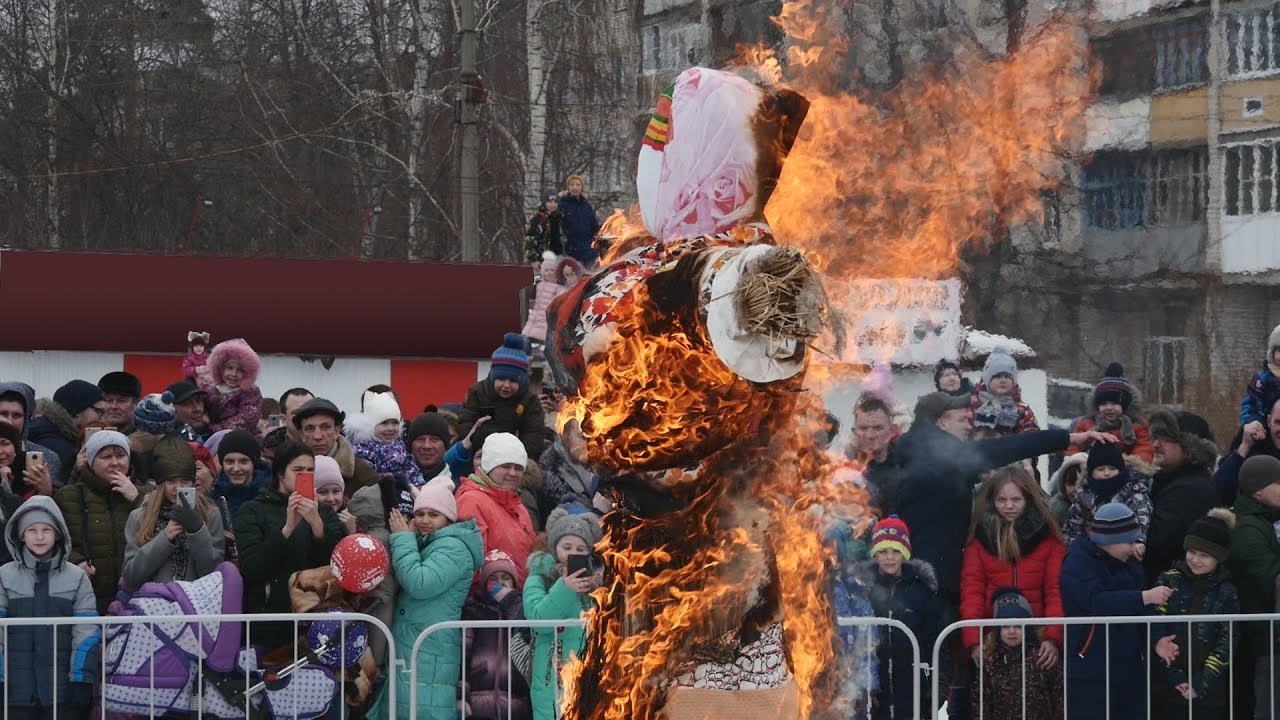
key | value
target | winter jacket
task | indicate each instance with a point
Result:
(389, 458)
(501, 517)
(489, 672)
(535, 327)
(356, 473)
(859, 644)
(1140, 447)
(57, 431)
(935, 490)
(1254, 563)
(267, 559)
(911, 597)
(1209, 651)
(1260, 395)
(1058, 502)
(53, 588)
(1035, 575)
(580, 226)
(1094, 584)
(191, 364)
(546, 597)
(520, 415)
(999, 691)
(1127, 488)
(543, 234)
(1178, 498)
(1006, 418)
(434, 572)
(96, 518)
(52, 459)
(151, 562)
(241, 408)
(565, 479)
(238, 495)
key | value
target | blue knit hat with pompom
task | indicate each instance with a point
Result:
(511, 361)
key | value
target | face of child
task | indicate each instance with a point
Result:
(889, 561)
(571, 545)
(387, 430)
(1104, 472)
(506, 387)
(170, 487)
(40, 539)
(1011, 635)
(238, 467)
(503, 578)
(1010, 502)
(1275, 356)
(1070, 489)
(198, 348)
(427, 521)
(1001, 385)
(232, 374)
(1110, 410)
(1119, 551)
(548, 274)
(949, 380)
(330, 495)
(1201, 563)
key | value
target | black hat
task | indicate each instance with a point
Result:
(1211, 534)
(930, 407)
(428, 423)
(317, 406)
(183, 391)
(239, 441)
(121, 383)
(1105, 454)
(1258, 472)
(943, 365)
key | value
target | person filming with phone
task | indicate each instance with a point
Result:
(176, 534)
(279, 532)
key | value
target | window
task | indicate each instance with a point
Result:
(1250, 178)
(1253, 41)
(1182, 56)
(1131, 189)
(1127, 69)
(1165, 364)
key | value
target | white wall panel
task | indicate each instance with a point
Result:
(1250, 243)
(343, 383)
(1118, 125)
(48, 370)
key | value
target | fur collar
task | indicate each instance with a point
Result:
(868, 574)
(58, 417)
(1031, 529)
(346, 457)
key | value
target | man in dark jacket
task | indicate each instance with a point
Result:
(1182, 491)
(17, 406)
(1254, 562)
(940, 469)
(1254, 440)
(60, 421)
(873, 433)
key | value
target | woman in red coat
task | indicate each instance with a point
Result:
(1014, 542)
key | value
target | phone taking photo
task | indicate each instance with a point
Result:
(576, 563)
(187, 496)
(305, 484)
(275, 421)
(34, 458)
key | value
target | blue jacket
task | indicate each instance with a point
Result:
(52, 588)
(579, 225)
(1095, 584)
(1262, 393)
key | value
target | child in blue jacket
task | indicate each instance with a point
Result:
(1264, 388)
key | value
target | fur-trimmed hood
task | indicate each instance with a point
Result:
(867, 571)
(59, 418)
(239, 350)
(1200, 451)
(1077, 460)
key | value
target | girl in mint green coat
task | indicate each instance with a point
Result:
(434, 563)
(550, 594)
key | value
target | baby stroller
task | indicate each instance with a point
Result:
(175, 668)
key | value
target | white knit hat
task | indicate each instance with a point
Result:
(103, 439)
(502, 449)
(381, 407)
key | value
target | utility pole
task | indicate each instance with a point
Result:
(469, 115)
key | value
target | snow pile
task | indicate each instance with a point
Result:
(975, 344)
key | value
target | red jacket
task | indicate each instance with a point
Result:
(1140, 447)
(502, 518)
(1035, 576)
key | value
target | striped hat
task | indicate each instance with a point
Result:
(1114, 524)
(891, 534)
(511, 361)
(1115, 387)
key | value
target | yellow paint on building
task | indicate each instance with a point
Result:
(1181, 117)
(1235, 94)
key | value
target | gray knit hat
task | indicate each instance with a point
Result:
(1258, 472)
(999, 362)
(33, 515)
(582, 525)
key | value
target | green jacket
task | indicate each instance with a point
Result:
(1254, 563)
(547, 598)
(435, 575)
(267, 559)
(96, 519)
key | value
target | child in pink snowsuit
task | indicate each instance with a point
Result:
(235, 398)
(535, 328)
(195, 366)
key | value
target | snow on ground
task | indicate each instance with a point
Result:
(976, 344)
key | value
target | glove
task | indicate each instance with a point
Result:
(186, 516)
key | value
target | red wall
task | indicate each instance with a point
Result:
(423, 382)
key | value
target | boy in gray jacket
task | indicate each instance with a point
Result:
(46, 664)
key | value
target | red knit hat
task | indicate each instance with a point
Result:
(891, 534)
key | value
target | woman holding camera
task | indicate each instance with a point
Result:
(176, 534)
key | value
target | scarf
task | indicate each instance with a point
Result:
(1030, 528)
(1122, 423)
(178, 560)
(1104, 490)
(1000, 412)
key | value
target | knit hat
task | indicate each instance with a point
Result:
(381, 407)
(238, 441)
(562, 523)
(42, 513)
(942, 366)
(121, 383)
(203, 456)
(437, 495)
(999, 362)
(1115, 387)
(497, 561)
(327, 472)
(932, 405)
(1114, 524)
(1010, 604)
(103, 439)
(214, 441)
(891, 534)
(172, 458)
(1211, 534)
(549, 261)
(429, 423)
(502, 449)
(317, 406)
(155, 414)
(1103, 454)
(77, 396)
(1258, 472)
(1273, 341)
(511, 361)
